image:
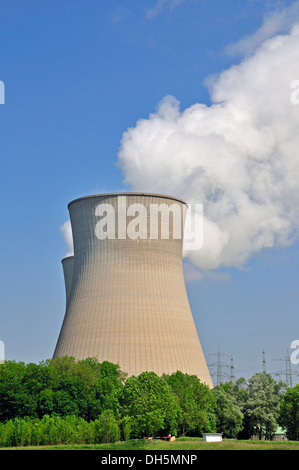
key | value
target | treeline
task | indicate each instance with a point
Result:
(55, 430)
(66, 401)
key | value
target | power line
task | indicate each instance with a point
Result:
(223, 370)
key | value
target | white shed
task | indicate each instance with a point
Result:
(212, 437)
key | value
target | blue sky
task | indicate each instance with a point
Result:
(77, 76)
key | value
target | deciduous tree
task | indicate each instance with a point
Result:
(151, 404)
(289, 413)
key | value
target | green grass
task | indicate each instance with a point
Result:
(181, 444)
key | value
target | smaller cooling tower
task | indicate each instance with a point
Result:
(68, 268)
(126, 300)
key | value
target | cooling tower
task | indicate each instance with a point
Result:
(68, 269)
(126, 300)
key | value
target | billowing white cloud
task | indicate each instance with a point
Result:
(239, 156)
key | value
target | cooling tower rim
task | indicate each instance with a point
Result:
(127, 194)
(66, 258)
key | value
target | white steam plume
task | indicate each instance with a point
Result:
(66, 230)
(239, 156)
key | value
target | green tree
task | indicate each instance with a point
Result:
(61, 386)
(289, 413)
(262, 406)
(196, 401)
(15, 398)
(70, 388)
(109, 386)
(106, 427)
(149, 401)
(240, 393)
(126, 427)
(229, 415)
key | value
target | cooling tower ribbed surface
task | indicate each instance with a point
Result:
(126, 298)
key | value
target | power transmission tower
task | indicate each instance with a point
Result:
(220, 366)
(287, 371)
(264, 362)
(232, 369)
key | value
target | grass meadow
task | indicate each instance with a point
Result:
(180, 444)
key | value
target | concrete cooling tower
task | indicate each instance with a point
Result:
(68, 269)
(126, 300)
